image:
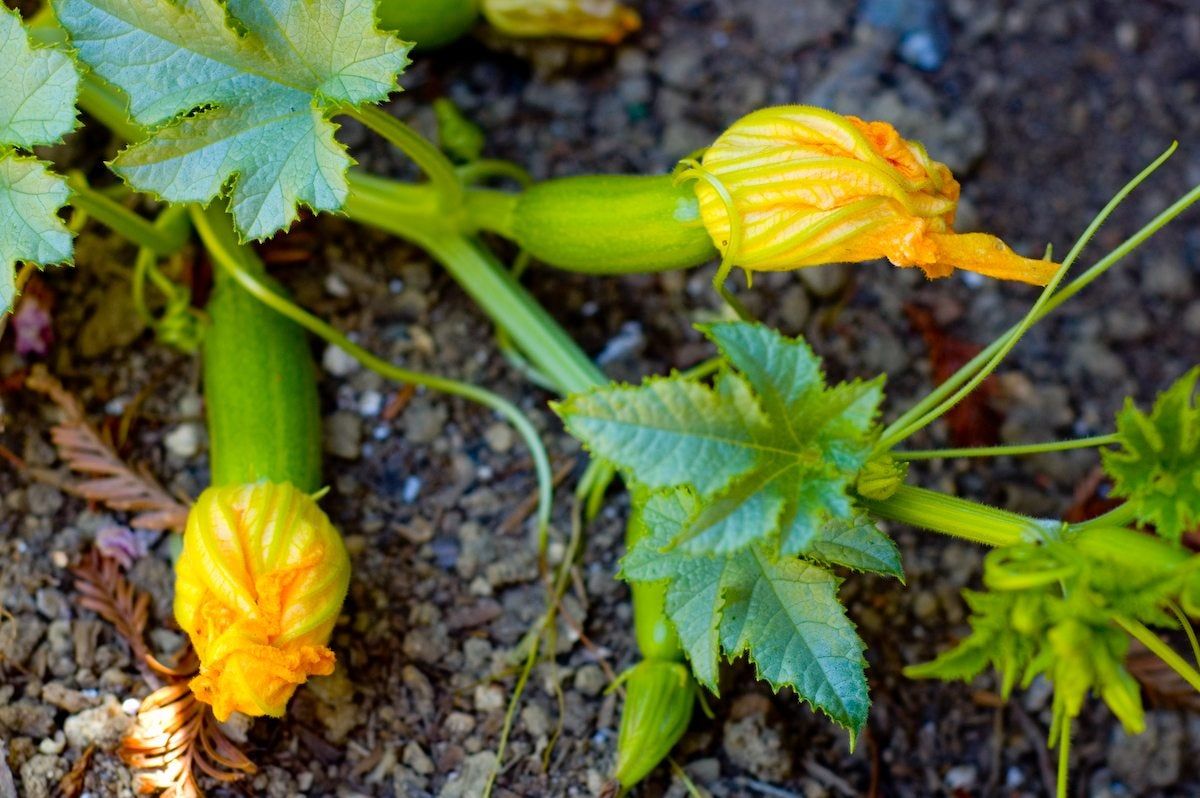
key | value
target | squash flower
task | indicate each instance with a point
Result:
(258, 589)
(804, 186)
(597, 20)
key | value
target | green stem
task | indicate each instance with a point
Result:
(432, 161)
(1118, 516)
(915, 418)
(960, 518)
(241, 264)
(510, 306)
(1010, 451)
(1064, 759)
(161, 240)
(492, 211)
(1138, 630)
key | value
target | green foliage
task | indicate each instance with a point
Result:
(458, 136)
(38, 88)
(782, 611)
(1050, 609)
(769, 450)
(748, 507)
(1157, 467)
(237, 95)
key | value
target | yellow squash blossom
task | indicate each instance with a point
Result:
(808, 187)
(258, 588)
(597, 20)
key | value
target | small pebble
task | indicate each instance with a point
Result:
(338, 362)
(183, 441)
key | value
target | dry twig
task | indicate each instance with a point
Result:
(112, 482)
(175, 737)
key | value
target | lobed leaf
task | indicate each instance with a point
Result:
(1157, 467)
(769, 449)
(783, 612)
(238, 95)
(30, 230)
(38, 87)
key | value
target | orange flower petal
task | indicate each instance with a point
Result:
(258, 589)
(810, 187)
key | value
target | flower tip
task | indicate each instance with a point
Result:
(259, 587)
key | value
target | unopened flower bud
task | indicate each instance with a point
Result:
(595, 20)
(798, 186)
(258, 588)
(659, 698)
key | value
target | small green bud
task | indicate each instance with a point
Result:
(458, 136)
(881, 477)
(659, 697)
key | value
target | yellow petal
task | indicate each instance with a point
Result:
(258, 589)
(806, 187)
(595, 20)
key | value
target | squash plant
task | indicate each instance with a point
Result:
(755, 483)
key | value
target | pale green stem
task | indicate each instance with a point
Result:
(162, 240)
(1064, 758)
(1138, 631)
(960, 518)
(915, 418)
(432, 161)
(1013, 450)
(1118, 516)
(240, 262)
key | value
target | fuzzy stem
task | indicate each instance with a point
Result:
(509, 305)
(960, 518)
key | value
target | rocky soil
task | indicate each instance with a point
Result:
(1043, 108)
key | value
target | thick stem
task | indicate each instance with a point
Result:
(960, 518)
(509, 305)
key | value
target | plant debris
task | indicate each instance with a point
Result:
(112, 482)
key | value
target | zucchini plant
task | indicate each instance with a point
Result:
(755, 484)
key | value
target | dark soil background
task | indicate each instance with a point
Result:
(1043, 108)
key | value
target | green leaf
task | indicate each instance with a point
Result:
(38, 87)
(857, 544)
(30, 230)
(783, 612)
(768, 449)
(1157, 467)
(238, 95)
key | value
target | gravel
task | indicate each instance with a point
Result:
(1043, 109)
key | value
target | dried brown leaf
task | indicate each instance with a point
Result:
(175, 736)
(111, 481)
(104, 590)
(72, 784)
